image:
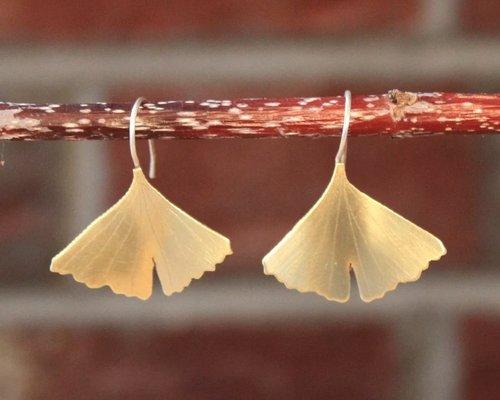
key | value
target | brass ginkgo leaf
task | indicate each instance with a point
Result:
(347, 229)
(141, 231)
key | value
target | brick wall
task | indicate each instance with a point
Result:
(480, 17)
(481, 335)
(252, 191)
(210, 363)
(56, 20)
(129, 20)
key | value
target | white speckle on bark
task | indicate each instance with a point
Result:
(271, 125)
(187, 121)
(186, 114)
(234, 110)
(293, 119)
(242, 130)
(310, 99)
(214, 122)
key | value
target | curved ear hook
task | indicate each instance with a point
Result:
(133, 149)
(341, 153)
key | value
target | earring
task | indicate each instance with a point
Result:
(141, 231)
(347, 229)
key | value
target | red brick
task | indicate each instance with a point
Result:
(114, 20)
(481, 344)
(480, 16)
(276, 362)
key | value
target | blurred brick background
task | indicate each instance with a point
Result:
(253, 192)
(201, 362)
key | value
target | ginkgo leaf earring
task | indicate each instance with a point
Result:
(347, 229)
(141, 231)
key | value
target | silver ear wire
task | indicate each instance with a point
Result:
(152, 159)
(341, 153)
(133, 149)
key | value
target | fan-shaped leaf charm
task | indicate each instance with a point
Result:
(347, 229)
(141, 231)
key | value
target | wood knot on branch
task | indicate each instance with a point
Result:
(399, 100)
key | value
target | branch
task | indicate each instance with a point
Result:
(400, 114)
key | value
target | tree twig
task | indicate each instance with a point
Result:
(400, 114)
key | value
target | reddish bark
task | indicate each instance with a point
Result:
(400, 114)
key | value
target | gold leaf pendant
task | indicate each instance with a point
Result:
(143, 230)
(347, 229)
